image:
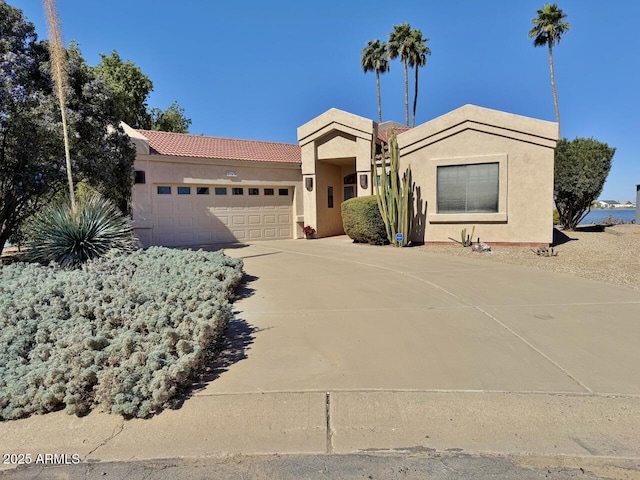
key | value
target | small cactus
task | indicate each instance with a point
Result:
(545, 252)
(467, 239)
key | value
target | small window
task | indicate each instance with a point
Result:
(268, 191)
(330, 197)
(220, 190)
(350, 179)
(139, 176)
(184, 190)
(202, 190)
(237, 191)
(164, 190)
(254, 191)
(283, 192)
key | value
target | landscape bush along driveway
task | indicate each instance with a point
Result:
(125, 334)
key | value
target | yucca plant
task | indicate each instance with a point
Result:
(69, 238)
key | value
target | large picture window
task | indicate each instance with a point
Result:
(468, 188)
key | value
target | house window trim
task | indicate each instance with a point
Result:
(501, 216)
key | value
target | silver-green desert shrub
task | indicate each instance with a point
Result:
(125, 334)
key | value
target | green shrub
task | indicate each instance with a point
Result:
(362, 221)
(125, 334)
(96, 229)
(556, 217)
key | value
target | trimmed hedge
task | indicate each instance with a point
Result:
(124, 334)
(363, 222)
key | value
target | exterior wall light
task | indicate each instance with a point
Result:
(364, 183)
(308, 183)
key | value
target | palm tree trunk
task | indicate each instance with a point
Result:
(553, 88)
(379, 104)
(406, 93)
(415, 99)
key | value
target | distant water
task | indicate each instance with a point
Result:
(596, 216)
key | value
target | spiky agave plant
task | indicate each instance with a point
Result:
(68, 237)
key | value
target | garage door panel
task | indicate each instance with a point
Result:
(201, 219)
(183, 206)
(166, 239)
(184, 222)
(204, 237)
(185, 238)
(163, 222)
(204, 221)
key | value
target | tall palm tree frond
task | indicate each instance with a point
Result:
(417, 58)
(400, 45)
(375, 58)
(548, 28)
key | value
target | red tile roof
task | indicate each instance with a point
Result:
(187, 145)
(385, 135)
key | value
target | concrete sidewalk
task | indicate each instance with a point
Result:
(343, 348)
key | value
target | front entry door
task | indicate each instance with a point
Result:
(349, 183)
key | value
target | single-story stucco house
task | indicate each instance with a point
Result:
(472, 166)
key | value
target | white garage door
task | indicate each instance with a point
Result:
(200, 214)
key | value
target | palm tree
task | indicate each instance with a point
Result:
(400, 44)
(548, 28)
(375, 58)
(417, 58)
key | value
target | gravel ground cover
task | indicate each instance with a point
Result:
(611, 256)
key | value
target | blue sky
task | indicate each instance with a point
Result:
(258, 70)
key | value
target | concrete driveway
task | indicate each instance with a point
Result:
(421, 351)
(332, 315)
(351, 349)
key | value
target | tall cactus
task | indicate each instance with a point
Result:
(395, 196)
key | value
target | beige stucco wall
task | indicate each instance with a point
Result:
(332, 144)
(338, 143)
(177, 170)
(524, 150)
